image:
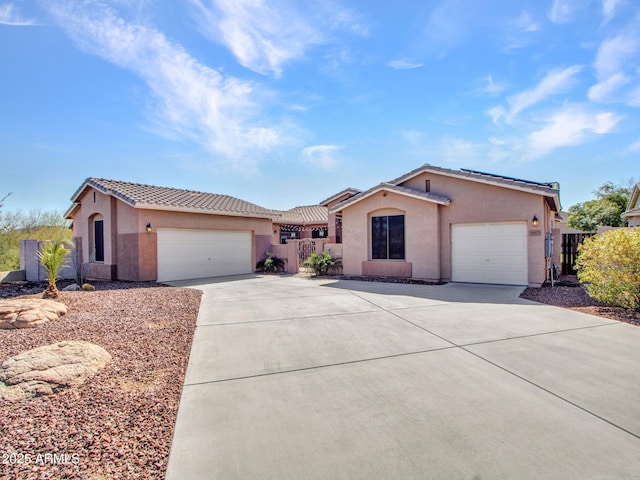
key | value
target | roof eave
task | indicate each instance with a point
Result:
(228, 213)
(453, 173)
(389, 188)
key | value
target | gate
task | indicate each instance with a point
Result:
(305, 248)
(570, 244)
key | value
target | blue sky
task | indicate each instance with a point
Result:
(284, 103)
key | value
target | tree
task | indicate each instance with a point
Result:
(609, 265)
(611, 200)
(53, 258)
(35, 225)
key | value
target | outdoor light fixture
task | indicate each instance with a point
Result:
(148, 228)
(535, 221)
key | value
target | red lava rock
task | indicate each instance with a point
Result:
(108, 421)
(576, 298)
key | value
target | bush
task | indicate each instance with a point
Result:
(323, 263)
(609, 265)
(271, 264)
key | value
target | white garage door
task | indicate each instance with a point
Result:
(185, 254)
(489, 253)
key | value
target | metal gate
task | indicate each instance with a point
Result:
(305, 248)
(570, 244)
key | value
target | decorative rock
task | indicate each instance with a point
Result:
(49, 369)
(29, 313)
(74, 287)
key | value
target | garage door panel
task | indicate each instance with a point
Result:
(186, 253)
(489, 253)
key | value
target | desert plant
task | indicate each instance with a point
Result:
(53, 258)
(271, 264)
(609, 265)
(322, 263)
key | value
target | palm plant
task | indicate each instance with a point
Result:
(322, 263)
(53, 258)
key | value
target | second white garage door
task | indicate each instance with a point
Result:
(489, 253)
(184, 254)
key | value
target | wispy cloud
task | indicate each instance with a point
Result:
(609, 9)
(563, 11)
(265, 36)
(555, 82)
(9, 15)
(404, 64)
(570, 126)
(613, 53)
(191, 100)
(491, 87)
(322, 156)
(602, 91)
(613, 66)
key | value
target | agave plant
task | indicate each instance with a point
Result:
(53, 258)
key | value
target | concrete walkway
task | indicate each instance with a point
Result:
(292, 378)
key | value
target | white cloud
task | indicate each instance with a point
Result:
(496, 114)
(562, 11)
(456, 150)
(192, 101)
(556, 81)
(613, 53)
(609, 9)
(571, 126)
(264, 36)
(322, 156)
(9, 15)
(602, 91)
(403, 64)
(493, 88)
(526, 24)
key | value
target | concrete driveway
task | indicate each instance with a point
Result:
(292, 378)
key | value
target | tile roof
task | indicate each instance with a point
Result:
(551, 190)
(164, 198)
(390, 187)
(352, 191)
(306, 215)
(550, 187)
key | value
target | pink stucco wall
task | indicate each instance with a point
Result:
(130, 252)
(422, 238)
(428, 225)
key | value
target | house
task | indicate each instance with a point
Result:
(334, 222)
(439, 224)
(130, 231)
(632, 214)
(299, 223)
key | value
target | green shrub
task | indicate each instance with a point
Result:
(271, 264)
(609, 265)
(323, 263)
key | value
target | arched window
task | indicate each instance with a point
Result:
(96, 244)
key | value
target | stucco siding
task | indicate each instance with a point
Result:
(130, 252)
(476, 202)
(421, 236)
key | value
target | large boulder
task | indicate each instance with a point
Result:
(49, 369)
(28, 313)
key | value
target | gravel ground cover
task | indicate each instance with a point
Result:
(119, 424)
(570, 294)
